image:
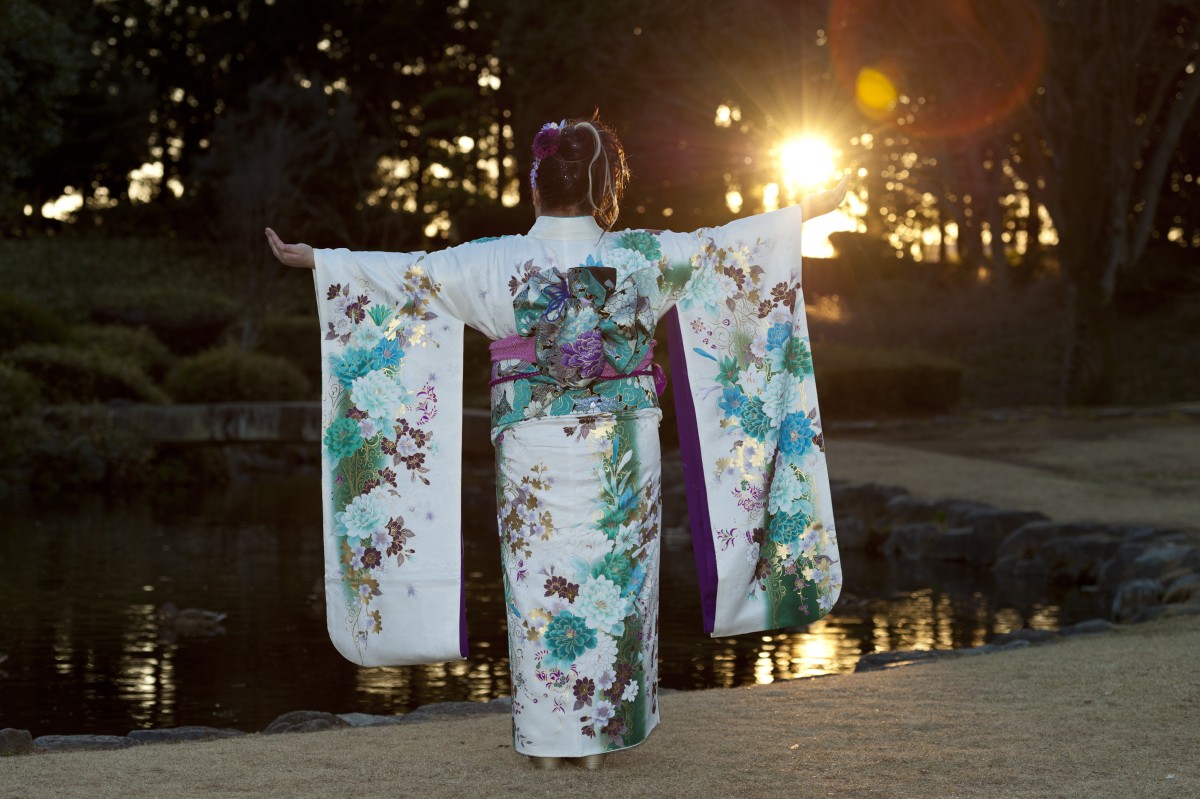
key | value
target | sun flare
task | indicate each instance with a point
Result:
(806, 162)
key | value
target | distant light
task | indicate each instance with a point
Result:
(733, 199)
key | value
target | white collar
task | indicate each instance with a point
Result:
(566, 228)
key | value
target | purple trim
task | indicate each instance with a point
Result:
(462, 598)
(693, 473)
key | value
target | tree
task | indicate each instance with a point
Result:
(1121, 82)
(38, 71)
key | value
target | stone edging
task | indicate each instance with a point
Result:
(1145, 572)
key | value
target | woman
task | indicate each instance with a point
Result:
(572, 309)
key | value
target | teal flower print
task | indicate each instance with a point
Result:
(343, 438)
(644, 242)
(788, 527)
(614, 566)
(755, 421)
(568, 637)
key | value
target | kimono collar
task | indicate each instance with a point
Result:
(566, 228)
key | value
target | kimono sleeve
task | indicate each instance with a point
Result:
(750, 430)
(391, 410)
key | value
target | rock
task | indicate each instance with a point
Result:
(81, 743)
(907, 509)
(1077, 559)
(1089, 627)
(1183, 589)
(960, 545)
(955, 512)
(877, 661)
(304, 721)
(178, 734)
(1026, 541)
(369, 720)
(1025, 634)
(1023, 568)
(866, 502)
(910, 541)
(1161, 562)
(1164, 612)
(1135, 596)
(851, 534)
(992, 526)
(15, 742)
(988, 649)
(1119, 566)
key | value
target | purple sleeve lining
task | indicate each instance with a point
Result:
(693, 474)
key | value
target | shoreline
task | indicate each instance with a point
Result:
(1092, 716)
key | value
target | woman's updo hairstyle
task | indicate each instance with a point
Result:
(579, 166)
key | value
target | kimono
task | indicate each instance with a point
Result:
(575, 416)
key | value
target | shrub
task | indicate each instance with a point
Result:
(135, 345)
(229, 374)
(25, 322)
(19, 396)
(853, 382)
(67, 375)
(296, 339)
(186, 320)
(80, 446)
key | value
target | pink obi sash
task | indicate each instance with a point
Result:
(524, 348)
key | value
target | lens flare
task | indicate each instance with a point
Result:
(875, 92)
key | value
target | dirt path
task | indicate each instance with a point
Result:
(1114, 715)
(1116, 470)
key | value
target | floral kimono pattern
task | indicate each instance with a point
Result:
(575, 426)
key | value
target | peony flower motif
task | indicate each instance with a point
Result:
(797, 359)
(702, 290)
(568, 636)
(777, 336)
(795, 434)
(727, 286)
(780, 397)
(597, 662)
(787, 490)
(780, 316)
(825, 602)
(406, 446)
(343, 438)
(614, 566)
(378, 394)
(626, 262)
(586, 354)
(644, 242)
(602, 605)
(631, 692)
(758, 347)
(788, 527)
(352, 364)
(363, 517)
(754, 421)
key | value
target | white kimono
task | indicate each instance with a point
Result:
(575, 423)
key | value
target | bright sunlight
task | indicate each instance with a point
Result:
(806, 163)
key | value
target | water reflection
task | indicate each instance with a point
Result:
(89, 653)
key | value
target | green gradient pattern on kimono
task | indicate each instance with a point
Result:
(581, 579)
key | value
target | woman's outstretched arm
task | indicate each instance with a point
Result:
(819, 204)
(297, 255)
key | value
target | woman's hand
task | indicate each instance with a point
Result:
(298, 255)
(815, 205)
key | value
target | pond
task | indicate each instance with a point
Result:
(84, 579)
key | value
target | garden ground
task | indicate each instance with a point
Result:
(1092, 716)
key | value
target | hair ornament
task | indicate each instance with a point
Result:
(545, 144)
